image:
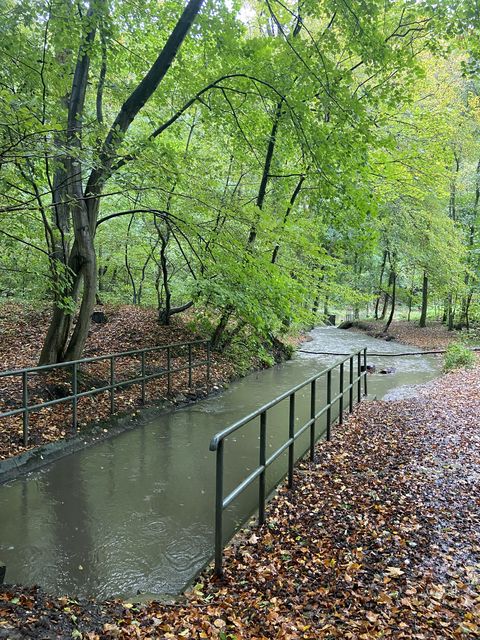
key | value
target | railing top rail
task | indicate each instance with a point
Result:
(221, 435)
(119, 354)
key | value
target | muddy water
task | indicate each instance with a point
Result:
(134, 514)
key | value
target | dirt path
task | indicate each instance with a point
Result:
(379, 539)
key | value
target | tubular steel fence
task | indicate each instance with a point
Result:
(76, 376)
(352, 389)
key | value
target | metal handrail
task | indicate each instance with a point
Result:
(27, 408)
(119, 354)
(218, 440)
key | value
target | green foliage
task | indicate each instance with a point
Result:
(247, 349)
(457, 356)
(351, 140)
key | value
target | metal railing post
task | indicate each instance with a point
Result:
(340, 401)
(291, 433)
(142, 374)
(209, 354)
(74, 399)
(365, 376)
(112, 384)
(350, 391)
(169, 375)
(262, 461)
(359, 374)
(219, 510)
(189, 365)
(25, 405)
(329, 404)
(313, 402)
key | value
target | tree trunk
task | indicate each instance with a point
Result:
(56, 338)
(467, 298)
(127, 261)
(220, 329)
(83, 204)
(252, 236)
(165, 312)
(410, 296)
(326, 311)
(231, 334)
(450, 312)
(466, 311)
(387, 296)
(392, 310)
(445, 311)
(262, 190)
(83, 265)
(173, 311)
(379, 296)
(287, 213)
(423, 315)
(80, 333)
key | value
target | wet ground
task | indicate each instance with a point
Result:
(135, 513)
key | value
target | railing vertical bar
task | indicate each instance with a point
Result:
(350, 391)
(142, 374)
(25, 407)
(75, 398)
(189, 365)
(313, 402)
(219, 510)
(340, 401)
(112, 384)
(291, 433)
(359, 375)
(365, 376)
(209, 355)
(329, 404)
(169, 373)
(262, 460)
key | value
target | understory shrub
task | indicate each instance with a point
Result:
(456, 356)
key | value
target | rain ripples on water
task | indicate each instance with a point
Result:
(135, 513)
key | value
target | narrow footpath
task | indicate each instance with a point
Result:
(380, 538)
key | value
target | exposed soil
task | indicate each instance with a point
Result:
(380, 538)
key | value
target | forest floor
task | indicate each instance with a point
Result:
(434, 336)
(127, 328)
(380, 538)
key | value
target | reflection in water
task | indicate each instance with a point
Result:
(135, 513)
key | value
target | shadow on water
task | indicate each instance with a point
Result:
(135, 512)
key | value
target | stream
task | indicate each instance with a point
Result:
(134, 514)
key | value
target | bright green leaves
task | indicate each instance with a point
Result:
(364, 128)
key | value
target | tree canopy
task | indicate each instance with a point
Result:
(263, 161)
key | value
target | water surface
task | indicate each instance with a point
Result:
(135, 512)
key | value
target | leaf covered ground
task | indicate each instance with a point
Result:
(380, 538)
(434, 336)
(127, 328)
